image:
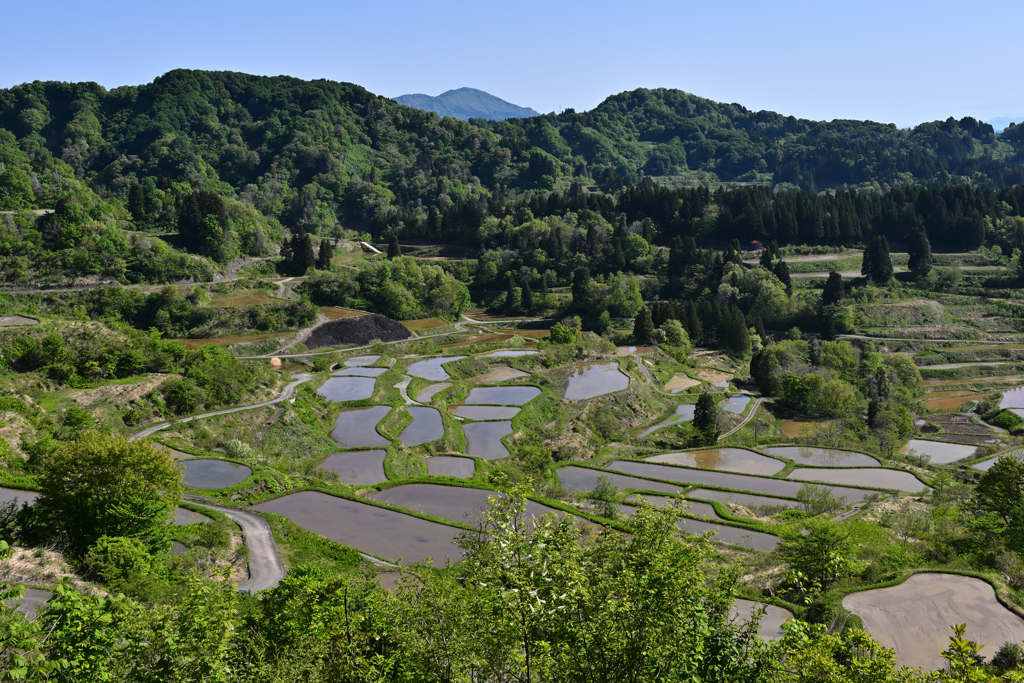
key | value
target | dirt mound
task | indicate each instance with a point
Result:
(360, 330)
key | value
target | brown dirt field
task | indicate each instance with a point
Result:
(954, 393)
(972, 380)
(528, 334)
(487, 316)
(499, 373)
(120, 393)
(425, 324)
(227, 341)
(359, 330)
(335, 313)
(711, 376)
(948, 403)
(914, 617)
(247, 299)
(681, 382)
(489, 339)
(797, 428)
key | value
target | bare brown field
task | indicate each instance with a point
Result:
(335, 313)
(999, 379)
(247, 299)
(490, 339)
(797, 428)
(227, 341)
(424, 324)
(528, 334)
(680, 382)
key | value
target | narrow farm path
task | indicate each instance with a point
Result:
(265, 568)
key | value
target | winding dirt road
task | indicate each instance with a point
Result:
(265, 568)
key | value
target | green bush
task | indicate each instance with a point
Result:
(1007, 420)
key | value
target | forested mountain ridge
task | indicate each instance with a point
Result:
(467, 103)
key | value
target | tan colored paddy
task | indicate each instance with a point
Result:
(951, 403)
(248, 299)
(712, 376)
(499, 373)
(335, 313)
(681, 382)
(634, 350)
(227, 341)
(972, 380)
(528, 334)
(425, 324)
(798, 428)
(489, 339)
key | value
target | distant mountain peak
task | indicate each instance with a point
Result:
(467, 103)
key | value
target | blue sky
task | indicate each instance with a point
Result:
(895, 61)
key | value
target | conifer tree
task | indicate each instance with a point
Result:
(834, 291)
(527, 297)
(394, 250)
(136, 202)
(920, 249)
(877, 263)
(304, 257)
(323, 259)
(705, 419)
(781, 271)
(510, 294)
(643, 327)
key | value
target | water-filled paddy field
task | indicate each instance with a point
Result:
(357, 427)
(432, 369)
(723, 459)
(1012, 398)
(359, 371)
(595, 379)
(585, 479)
(714, 377)
(357, 468)
(509, 353)
(450, 466)
(739, 482)
(735, 404)
(877, 477)
(484, 439)
(680, 382)
(432, 390)
(941, 453)
(914, 617)
(184, 516)
(770, 626)
(426, 426)
(502, 396)
(341, 389)
(748, 500)
(361, 361)
(755, 540)
(683, 413)
(797, 428)
(692, 507)
(213, 474)
(822, 457)
(455, 503)
(23, 497)
(484, 412)
(378, 531)
(499, 373)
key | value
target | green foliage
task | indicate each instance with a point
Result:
(1007, 420)
(116, 560)
(819, 500)
(1001, 488)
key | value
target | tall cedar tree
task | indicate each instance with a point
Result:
(920, 253)
(781, 271)
(834, 291)
(323, 259)
(303, 257)
(877, 263)
(580, 287)
(705, 418)
(527, 297)
(394, 250)
(510, 294)
(136, 202)
(643, 327)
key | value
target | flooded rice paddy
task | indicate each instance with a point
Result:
(432, 369)
(361, 361)
(451, 466)
(722, 459)
(378, 531)
(595, 379)
(823, 457)
(941, 453)
(1012, 398)
(714, 377)
(798, 428)
(509, 353)
(502, 396)
(426, 426)
(951, 403)
(359, 372)
(183, 516)
(735, 404)
(680, 382)
(683, 413)
(484, 412)
(692, 507)
(9, 495)
(484, 439)
(213, 474)
(432, 390)
(528, 334)
(985, 465)
(876, 477)
(499, 373)
(755, 540)
(454, 503)
(999, 379)
(770, 626)
(739, 482)
(357, 468)
(747, 500)
(341, 389)
(356, 427)
(633, 350)
(585, 479)
(914, 617)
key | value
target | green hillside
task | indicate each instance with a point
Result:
(467, 103)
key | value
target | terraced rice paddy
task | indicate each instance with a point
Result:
(683, 413)
(484, 439)
(228, 341)
(985, 465)
(509, 353)
(770, 626)
(502, 396)
(822, 457)
(754, 540)
(950, 403)
(484, 412)
(426, 426)
(23, 497)
(450, 466)
(432, 369)
(357, 427)
(357, 468)
(335, 313)
(595, 379)
(247, 299)
(341, 389)
(1013, 398)
(634, 350)
(722, 459)
(361, 361)
(499, 373)
(1000, 379)
(359, 372)
(797, 428)
(527, 334)
(486, 339)
(183, 516)
(680, 382)
(425, 324)
(454, 503)
(714, 377)
(747, 500)
(371, 529)
(941, 453)
(213, 474)
(735, 404)
(432, 390)
(692, 507)
(585, 479)
(914, 617)
(738, 482)
(877, 477)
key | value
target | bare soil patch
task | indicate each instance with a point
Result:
(247, 299)
(425, 324)
(359, 330)
(227, 341)
(681, 382)
(499, 373)
(335, 313)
